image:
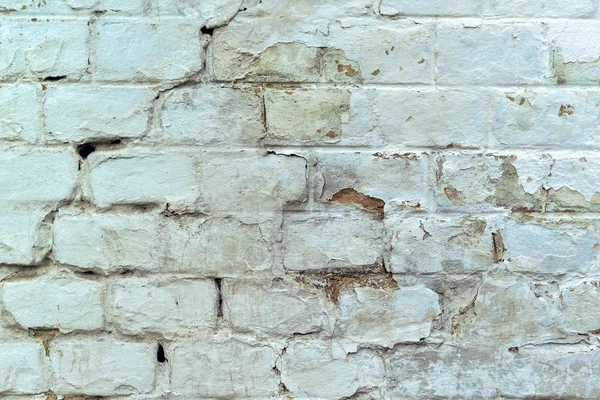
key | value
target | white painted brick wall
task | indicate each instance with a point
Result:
(319, 199)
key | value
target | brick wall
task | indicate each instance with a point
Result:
(299, 199)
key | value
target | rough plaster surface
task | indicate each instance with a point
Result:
(317, 199)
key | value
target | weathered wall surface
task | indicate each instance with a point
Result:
(319, 199)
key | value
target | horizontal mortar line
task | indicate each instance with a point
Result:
(132, 15)
(149, 148)
(163, 85)
(375, 85)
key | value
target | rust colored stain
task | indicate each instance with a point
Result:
(349, 71)
(566, 110)
(331, 134)
(351, 196)
(376, 72)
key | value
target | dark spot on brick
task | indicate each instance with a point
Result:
(218, 284)
(160, 354)
(207, 31)
(514, 350)
(566, 110)
(376, 72)
(54, 78)
(85, 150)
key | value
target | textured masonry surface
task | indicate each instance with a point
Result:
(317, 199)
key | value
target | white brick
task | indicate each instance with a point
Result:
(216, 247)
(576, 52)
(108, 242)
(77, 113)
(385, 317)
(228, 116)
(20, 239)
(65, 303)
(485, 182)
(138, 50)
(211, 13)
(102, 367)
(573, 182)
(524, 56)
(543, 8)
(476, 373)
(325, 371)
(546, 118)
(43, 47)
(117, 242)
(141, 179)
(53, 7)
(432, 245)
(431, 7)
(318, 242)
(551, 246)
(433, 118)
(256, 184)
(397, 179)
(22, 368)
(171, 307)
(273, 307)
(20, 117)
(268, 50)
(231, 369)
(319, 116)
(37, 176)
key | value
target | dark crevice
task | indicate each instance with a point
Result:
(85, 150)
(54, 78)
(160, 354)
(218, 283)
(207, 31)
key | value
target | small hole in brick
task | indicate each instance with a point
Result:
(219, 298)
(117, 141)
(54, 78)
(160, 354)
(85, 150)
(207, 31)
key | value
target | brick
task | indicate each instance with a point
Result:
(550, 245)
(65, 303)
(319, 116)
(576, 52)
(222, 247)
(572, 183)
(69, 6)
(326, 371)
(436, 7)
(373, 316)
(102, 367)
(107, 241)
(230, 369)
(524, 58)
(143, 179)
(165, 49)
(37, 176)
(265, 50)
(21, 238)
(489, 373)
(328, 241)
(39, 48)
(546, 118)
(78, 113)
(433, 118)
(169, 307)
(257, 184)
(396, 179)
(213, 13)
(273, 308)
(120, 242)
(435, 245)
(229, 116)
(22, 368)
(20, 116)
(539, 8)
(486, 182)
